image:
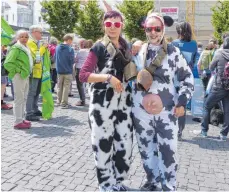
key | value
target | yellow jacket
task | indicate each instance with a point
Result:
(37, 67)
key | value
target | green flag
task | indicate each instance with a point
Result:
(47, 99)
(6, 32)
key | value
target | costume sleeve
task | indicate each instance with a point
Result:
(96, 54)
(88, 67)
(185, 79)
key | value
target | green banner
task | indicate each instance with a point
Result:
(7, 32)
(46, 93)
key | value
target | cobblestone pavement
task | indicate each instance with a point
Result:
(56, 155)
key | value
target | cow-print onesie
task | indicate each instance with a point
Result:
(111, 122)
(157, 134)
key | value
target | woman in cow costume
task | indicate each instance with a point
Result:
(157, 105)
(110, 104)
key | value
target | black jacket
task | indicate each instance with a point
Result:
(218, 63)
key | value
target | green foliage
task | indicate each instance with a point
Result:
(220, 19)
(62, 16)
(133, 11)
(90, 21)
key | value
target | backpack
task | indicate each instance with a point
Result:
(225, 78)
(205, 60)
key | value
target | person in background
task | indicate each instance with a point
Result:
(19, 64)
(203, 65)
(52, 49)
(188, 48)
(217, 92)
(4, 105)
(199, 51)
(169, 39)
(214, 46)
(90, 43)
(80, 58)
(136, 47)
(64, 58)
(37, 51)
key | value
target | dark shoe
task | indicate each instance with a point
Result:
(32, 118)
(196, 119)
(6, 106)
(180, 138)
(203, 134)
(150, 187)
(122, 188)
(38, 113)
(63, 106)
(70, 95)
(80, 103)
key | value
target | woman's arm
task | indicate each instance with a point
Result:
(87, 75)
(89, 66)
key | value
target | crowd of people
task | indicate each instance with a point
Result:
(141, 86)
(22, 61)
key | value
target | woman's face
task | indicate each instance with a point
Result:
(113, 27)
(154, 30)
(23, 38)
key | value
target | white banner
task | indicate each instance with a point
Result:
(170, 11)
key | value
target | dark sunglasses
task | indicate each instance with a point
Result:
(116, 24)
(153, 28)
(24, 37)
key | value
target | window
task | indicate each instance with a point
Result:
(7, 18)
(39, 19)
(13, 17)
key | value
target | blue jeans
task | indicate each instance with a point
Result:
(215, 96)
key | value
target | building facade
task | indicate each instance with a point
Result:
(203, 28)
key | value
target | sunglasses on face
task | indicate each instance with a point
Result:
(116, 24)
(26, 37)
(153, 28)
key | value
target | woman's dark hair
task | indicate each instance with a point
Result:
(115, 14)
(112, 14)
(226, 34)
(226, 43)
(184, 30)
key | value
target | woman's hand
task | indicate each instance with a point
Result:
(116, 84)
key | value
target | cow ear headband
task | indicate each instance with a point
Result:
(168, 21)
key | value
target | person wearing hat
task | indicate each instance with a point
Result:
(157, 105)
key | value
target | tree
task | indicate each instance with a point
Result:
(220, 19)
(90, 21)
(133, 11)
(62, 16)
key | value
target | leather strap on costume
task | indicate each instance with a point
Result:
(157, 61)
(145, 76)
(130, 70)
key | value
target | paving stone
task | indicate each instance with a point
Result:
(48, 188)
(57, 155)
(7, 186)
